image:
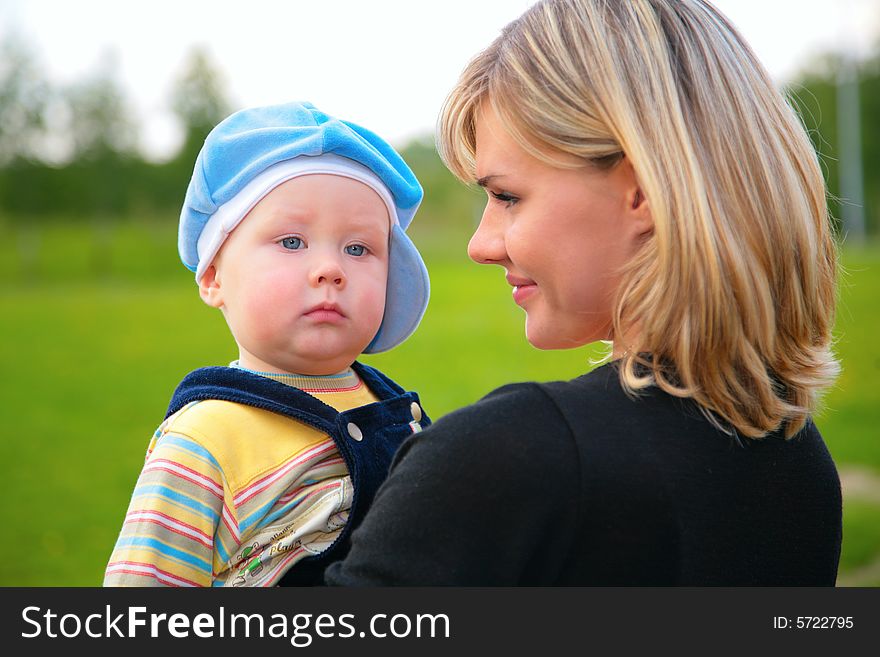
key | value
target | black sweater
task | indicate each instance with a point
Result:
(575, 483)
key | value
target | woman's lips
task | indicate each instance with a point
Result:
(523, 288)
(523, 292)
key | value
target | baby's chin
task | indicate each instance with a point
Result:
(324, 362)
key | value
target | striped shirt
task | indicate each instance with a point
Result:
(232, 495)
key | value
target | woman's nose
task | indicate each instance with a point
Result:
(487, 243)
(327, 271)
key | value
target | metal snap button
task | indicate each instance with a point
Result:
(416, 412)
(355, 432)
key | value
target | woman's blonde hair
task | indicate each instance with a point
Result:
(733, 295)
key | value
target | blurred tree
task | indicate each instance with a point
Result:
(104, 136)
(870, 109)
(450, 210)
(24, 95)
(101, 124)
(814, 95)
(200, 100)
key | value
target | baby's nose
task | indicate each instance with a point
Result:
(328, 272)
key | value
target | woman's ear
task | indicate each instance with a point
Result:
(637, 203)
(209, 287)
(641, 213)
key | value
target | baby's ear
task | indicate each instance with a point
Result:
(209, 287)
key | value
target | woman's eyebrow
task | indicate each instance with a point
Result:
(482, 182)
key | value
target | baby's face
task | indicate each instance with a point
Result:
(302, 278)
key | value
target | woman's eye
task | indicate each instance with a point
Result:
(504, 197)
(356, 250)
(292, 243)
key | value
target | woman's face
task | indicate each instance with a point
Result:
(562, 235)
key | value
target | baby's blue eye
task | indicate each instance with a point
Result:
(291, 243)
(355, 250)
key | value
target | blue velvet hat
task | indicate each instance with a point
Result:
(252, 151)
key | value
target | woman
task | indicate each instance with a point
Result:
(647, 185)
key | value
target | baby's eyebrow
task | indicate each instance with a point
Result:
(369, 223)
(290, 215)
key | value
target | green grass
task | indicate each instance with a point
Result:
(861, 539)
(95, 335)
(851, 416)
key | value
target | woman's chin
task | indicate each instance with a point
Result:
(549, 338)
(547, 341)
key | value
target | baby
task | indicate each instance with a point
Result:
(294, 225)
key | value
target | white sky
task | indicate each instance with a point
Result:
(386, 64)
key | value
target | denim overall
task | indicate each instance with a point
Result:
(367, 437)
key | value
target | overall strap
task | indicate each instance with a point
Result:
(381, 385)
(235, 385)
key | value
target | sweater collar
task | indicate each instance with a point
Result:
(340, 382)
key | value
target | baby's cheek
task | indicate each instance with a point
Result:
(278, 288)
(373, 306)
(268, 304)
